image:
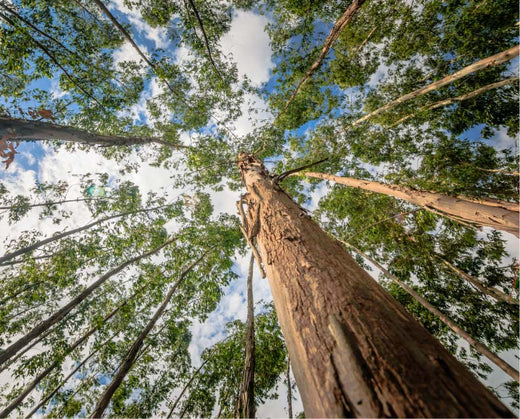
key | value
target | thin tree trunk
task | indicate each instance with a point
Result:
(492, 61)
(354, 350)
(503, 172)
(289, 388)
(327, 45)
(481, 348)
(500, 218)
(491, 291)
(46, 204)
(130, 357)
(26, 130)
(61, 313)
(67, 233)
(461, 98)
(246, 407)
(32, 385)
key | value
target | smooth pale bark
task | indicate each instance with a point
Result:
(246, 408)
(492, 61)
(11, 350)
(491, 291)
(457, 99)
(289, 389)
(26, 130)
(481, 348)
(32, 385)
(354, 350)
(480, 213)
(67, 233)
(132, 353)
(340, 24)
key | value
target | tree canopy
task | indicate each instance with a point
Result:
(123, 257)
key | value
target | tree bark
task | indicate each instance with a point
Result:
(481, 348)
(26, 130)
(334, 34)
(67, 233)
(461, 98)
(492, 61)
(247, 398)
(354, 350)
(61, 313)
(289, 389)
(482, 214)
(131, 355)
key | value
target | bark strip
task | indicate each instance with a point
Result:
(482, 214)
(492, 61)
(354, 350)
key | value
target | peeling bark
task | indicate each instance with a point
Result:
(354, 350)
(501, 216)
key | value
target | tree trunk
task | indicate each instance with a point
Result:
(461, 98)
(354, 350)
(51, 203)
(334, 34)
(26, 130)
(32, 385)
(246, 407)
(492, 61)
(289, 389)
(481, 348)
(483, 214)
(61, 313)
(130, 357)
(67, 233)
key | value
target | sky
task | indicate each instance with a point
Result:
(248, 45)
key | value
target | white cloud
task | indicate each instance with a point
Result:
(248, 42)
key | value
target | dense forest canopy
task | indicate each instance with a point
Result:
(127, 132)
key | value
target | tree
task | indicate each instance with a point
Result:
(99, 313)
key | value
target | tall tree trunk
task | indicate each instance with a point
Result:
(32, 385)
(492, 61)
(334, 34)
(461, 98)
(67, 233)
(354, 350)
(67, 308)
(482, 214)
(289, 388)
(246, 407)
(131, 355)
(51, 203)
(26, 130)
(481, 348)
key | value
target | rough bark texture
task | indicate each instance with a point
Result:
(247, 398)
(481, 348)
(482, 214)
(133, 352)
(354, 350)
(492, 61)
(22, 129)
(11, 350)
(345, 18)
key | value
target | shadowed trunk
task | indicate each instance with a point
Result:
(354, 350)
(11, 350)
(289, 389)
(479, 347)
(26, 130)
(492, 214)
(492, 61)
(246, 407)
(130, 357)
